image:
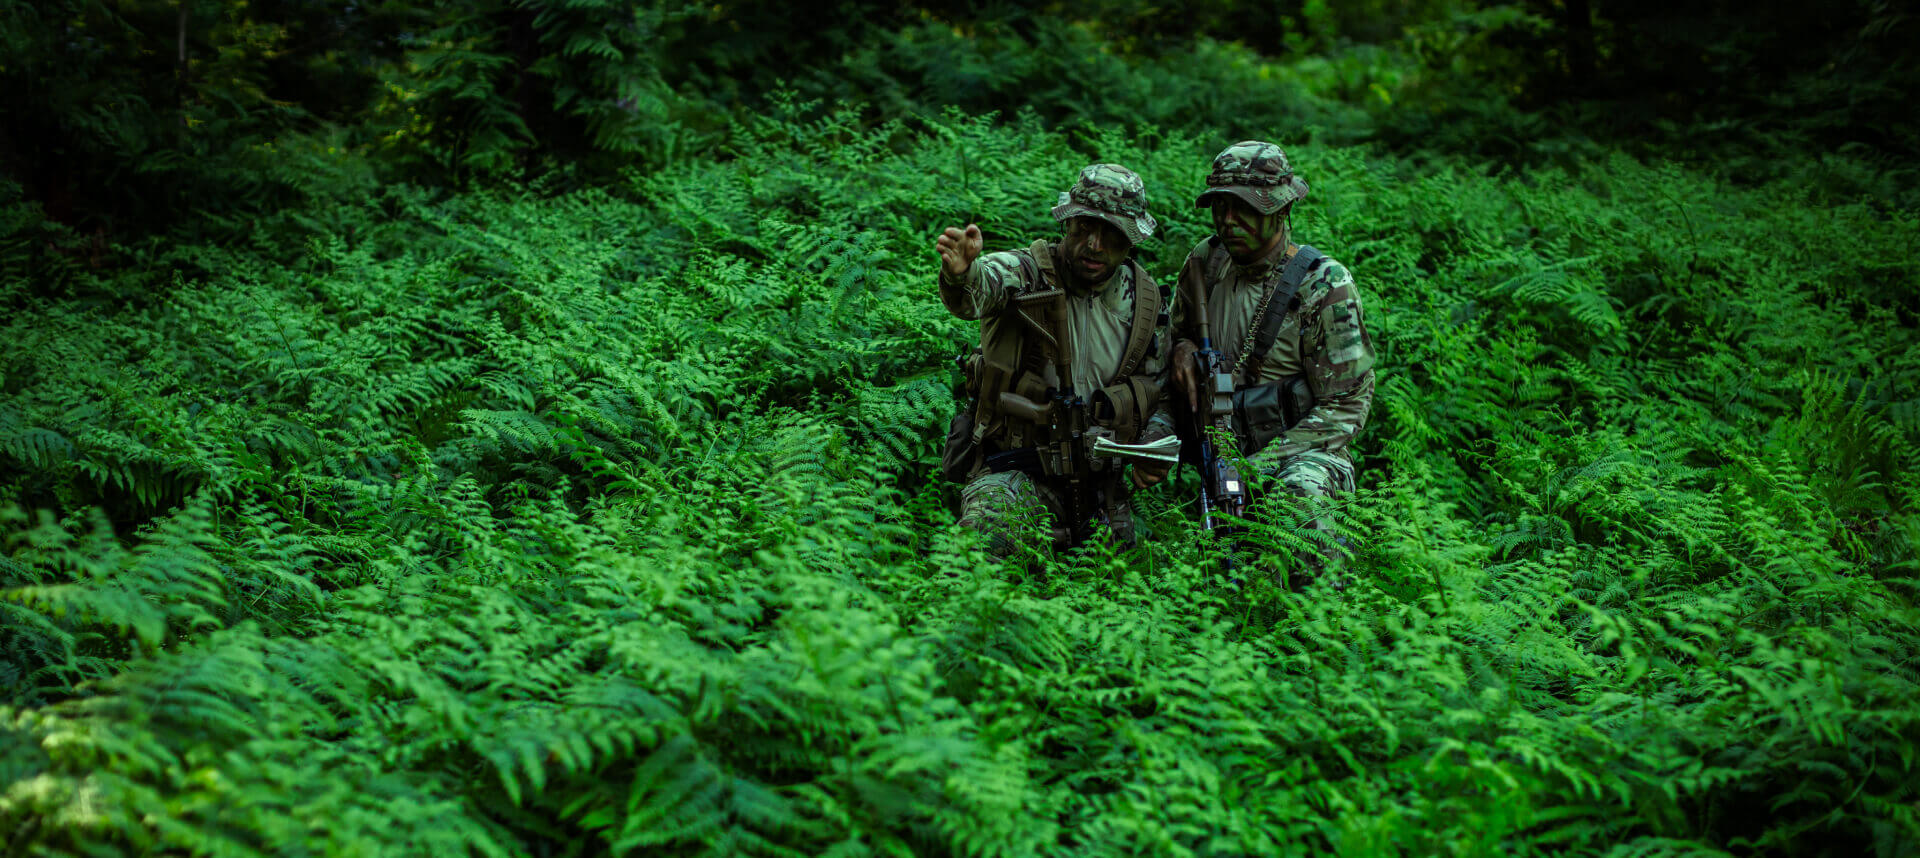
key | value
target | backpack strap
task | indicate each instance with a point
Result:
(1213, 272)
(1217, 260)
(1045, 311)
(1022, 350)
(1292, 276)
(1148, 305)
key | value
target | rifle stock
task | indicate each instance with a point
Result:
(1015, 405)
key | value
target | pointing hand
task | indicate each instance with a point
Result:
(958, 249)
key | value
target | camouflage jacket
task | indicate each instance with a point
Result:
(1100, 323)
(1324, 336)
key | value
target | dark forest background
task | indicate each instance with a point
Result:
(130, 119)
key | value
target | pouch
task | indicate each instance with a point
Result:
(1264, 411)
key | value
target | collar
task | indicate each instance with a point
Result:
(1264, 267)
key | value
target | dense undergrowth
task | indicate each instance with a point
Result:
(510, 523)
(540, 519)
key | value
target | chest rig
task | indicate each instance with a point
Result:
(1263, 412)
(1021, 375)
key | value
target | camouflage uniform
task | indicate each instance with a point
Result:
(1099, 325)
(1323, 333)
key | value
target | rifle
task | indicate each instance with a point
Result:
(1065, 417)
(1220, 484)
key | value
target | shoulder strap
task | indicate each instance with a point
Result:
(1044, 310)
(1042, 254)
(1292, 277)
(1147, 306)
(1018, 344)
(1217, 261)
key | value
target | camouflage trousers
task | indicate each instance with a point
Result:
(1006, 506)
(1315, 477)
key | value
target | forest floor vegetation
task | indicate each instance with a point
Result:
(535, 519)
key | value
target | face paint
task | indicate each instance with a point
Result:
(1094, 249)
(1246, 234)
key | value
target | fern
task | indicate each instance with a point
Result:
(559, 520)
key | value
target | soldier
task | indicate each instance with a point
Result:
(1072, 347)
(1287, 322)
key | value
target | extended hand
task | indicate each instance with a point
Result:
(1186, 373)
(958, 249)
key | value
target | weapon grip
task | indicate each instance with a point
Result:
(1026, 409)
(1220, 398)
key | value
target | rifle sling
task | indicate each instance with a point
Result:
(1045, 311)
(1292, 276)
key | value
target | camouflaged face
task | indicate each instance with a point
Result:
(1111, 193)
(1254, 171)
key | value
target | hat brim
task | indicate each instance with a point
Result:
(1265, 199)
(1136, 229)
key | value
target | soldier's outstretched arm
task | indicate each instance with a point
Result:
(974, 286)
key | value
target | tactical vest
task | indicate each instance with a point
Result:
(1027, 350)
(1262, 412)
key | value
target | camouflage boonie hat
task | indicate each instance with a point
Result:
(1256, 172)
(1111, 193)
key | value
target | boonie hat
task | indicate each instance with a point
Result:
(1111, 193)
(1254, 171)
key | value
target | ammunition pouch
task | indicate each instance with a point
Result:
(1264, 411)
(963, 444)
(1125, 406)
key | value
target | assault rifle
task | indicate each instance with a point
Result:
(1221, 487)
(1065, 417)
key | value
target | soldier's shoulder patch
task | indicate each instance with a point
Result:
(1329, 282)
(1315, 290)
(1333, 272)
